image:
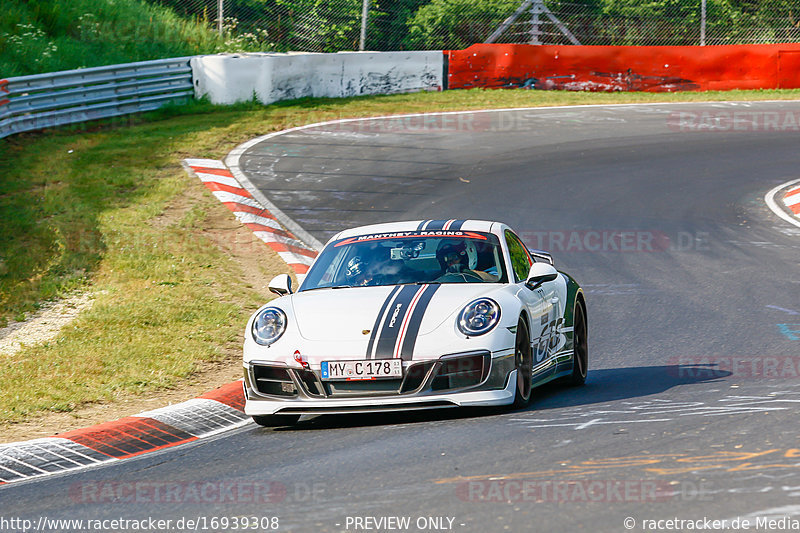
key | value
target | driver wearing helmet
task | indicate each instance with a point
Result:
(458, 259)
(356, 272)
(370, 267)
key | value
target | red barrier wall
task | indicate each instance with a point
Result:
(625, 68)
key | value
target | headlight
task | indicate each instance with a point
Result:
(269, 325)
(479, 317)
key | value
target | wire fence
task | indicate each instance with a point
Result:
(339, 25)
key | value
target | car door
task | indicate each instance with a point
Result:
(542, 309)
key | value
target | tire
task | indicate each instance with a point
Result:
(270, 421)
(580, 347)
(523, 362)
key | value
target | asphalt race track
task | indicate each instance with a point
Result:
(690, 409)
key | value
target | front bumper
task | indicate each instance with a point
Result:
(458, 380)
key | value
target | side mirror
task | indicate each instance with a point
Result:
(281, 285)
(540, 273)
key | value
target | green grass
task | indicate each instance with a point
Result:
(80, 210)
(51, 35)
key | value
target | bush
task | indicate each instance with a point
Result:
(51, 35)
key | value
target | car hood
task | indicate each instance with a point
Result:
(361, 313)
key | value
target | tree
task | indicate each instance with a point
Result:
(457, 23)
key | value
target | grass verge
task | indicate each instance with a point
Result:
(110, 209)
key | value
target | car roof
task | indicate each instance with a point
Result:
(420, 225)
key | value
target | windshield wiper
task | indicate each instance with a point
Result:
(329, 287)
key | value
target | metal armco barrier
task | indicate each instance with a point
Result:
(625, 68)
(30, 103)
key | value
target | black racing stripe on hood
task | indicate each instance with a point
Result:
(377, 325)
(407, 350)
(436, 224)
(457, 225)
(390, 329)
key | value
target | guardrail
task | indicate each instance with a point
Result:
(46, 100)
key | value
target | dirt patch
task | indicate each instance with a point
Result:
(257, 263)
(44, 325)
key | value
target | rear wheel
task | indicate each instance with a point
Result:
(523, 362)
(580, 347)
(271, 421)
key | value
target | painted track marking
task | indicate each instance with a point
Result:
(769, 198)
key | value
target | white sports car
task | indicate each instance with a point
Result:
(415, 315)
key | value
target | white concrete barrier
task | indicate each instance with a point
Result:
(231, 78)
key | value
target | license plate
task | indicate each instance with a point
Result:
(362, 370)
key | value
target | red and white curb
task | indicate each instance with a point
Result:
(252, 213)
(217, 411)
(792, 200)
(788, 205)
(212, 413)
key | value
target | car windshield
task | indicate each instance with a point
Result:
(408, 257)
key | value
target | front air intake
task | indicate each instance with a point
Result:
(274, 381)
(461, 372)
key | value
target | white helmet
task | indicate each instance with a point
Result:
(457, 255)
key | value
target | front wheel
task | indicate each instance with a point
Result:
(580, 347)
(523, 362)
(270, 421)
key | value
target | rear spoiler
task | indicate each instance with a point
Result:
(540, 256)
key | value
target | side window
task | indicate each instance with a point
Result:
(520, 260)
